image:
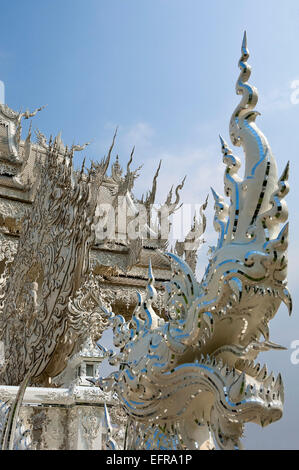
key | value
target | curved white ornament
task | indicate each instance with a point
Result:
(194, 375)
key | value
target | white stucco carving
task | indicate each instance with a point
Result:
(193, 378)
(187, 376)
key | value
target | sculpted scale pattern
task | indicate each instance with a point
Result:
(187, 376)
(191, 379)
(36, 326)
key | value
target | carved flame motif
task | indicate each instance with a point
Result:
(183, 380)
(37, 328)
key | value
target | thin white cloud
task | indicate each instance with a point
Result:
(139, 135)
(277, 99)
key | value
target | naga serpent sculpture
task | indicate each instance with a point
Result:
(190, 380)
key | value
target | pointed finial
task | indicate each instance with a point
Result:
(215, 195)
(28, 138)
(157, 171)
(244, 42)
(244, 49)
(116, 169)
(151, 291)
(107, 161)
(249, 96)
(130, 159)
(222, 141)
(224, 146)
(150, 271)
(285, 173)
(83, 165)
(228, 157)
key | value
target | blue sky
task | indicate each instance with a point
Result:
(164, 71)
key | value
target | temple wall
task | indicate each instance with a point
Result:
(63, 419)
